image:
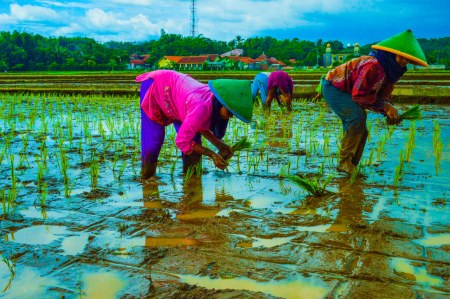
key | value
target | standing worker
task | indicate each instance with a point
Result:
(272, 85)
(367, 82)
(195, 109)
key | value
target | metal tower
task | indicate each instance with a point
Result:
(194, 19)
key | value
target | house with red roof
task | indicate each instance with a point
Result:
(192, 62)
(265, 63)
(168, 62)
(243, 63)
(138, 62)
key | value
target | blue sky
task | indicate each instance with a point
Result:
(350, 21)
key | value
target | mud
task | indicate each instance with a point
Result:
(241, 233)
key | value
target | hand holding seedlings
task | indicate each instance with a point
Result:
(411, 114)
(225, 151)
(392, 113)
(219, 161)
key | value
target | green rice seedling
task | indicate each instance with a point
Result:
(241, 145)
(189, 174)
(371, 156)
(68, 187)
(355, 174)
(411, 114)
(199, 170)
(80, 150)
(44, 194)
(439, 148)
(2, 153)
(40, 173)
(314, 186)
(172, 169)
(410, 142)
(10, 264)
(436, 134)
(399, 169)
(122, 168)
(115, 160)
(94, 171)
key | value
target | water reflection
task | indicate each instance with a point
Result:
(102, 285)
(294, 287)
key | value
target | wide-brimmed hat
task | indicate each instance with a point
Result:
(235, 95)
(404, 44)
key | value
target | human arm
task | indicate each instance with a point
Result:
(224, 149)
(287, 99)
(218, 160)
(270, 96)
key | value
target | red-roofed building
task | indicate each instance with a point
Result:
(192, 62)
(138, 61)
(212, 57)
(244, 63)
(168, 62)
(265, 63)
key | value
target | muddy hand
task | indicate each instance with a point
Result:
(392, 113)
(219, 161)
(225, 151)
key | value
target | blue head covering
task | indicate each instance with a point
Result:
(390, 65)
(218, 126)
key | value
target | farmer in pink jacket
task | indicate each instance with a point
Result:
(195, 109)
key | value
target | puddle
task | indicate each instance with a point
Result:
(199, 214)
(170, 242)
(434, 240)
(74, 245)
(144, 204)
(33, 212)
(404, 269)
(27, 283)
(292, 288)
(324, 228)
(258, 242)
(105, 285)
(46, 234)
(37, 235)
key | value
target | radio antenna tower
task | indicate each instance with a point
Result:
(194, 19)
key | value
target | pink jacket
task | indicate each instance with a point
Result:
(174, 96)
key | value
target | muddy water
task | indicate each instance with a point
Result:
(241, 232)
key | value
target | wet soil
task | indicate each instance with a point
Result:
(240, 233)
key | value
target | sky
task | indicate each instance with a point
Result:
(350, 21)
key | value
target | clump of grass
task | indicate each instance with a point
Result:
(241, 145)
(10, 264)
(412, 114)
(315, 186)
(189, 174)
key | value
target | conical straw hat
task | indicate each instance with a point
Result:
(235, 95)
(406, 45)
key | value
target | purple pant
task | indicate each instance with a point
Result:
(153, 134)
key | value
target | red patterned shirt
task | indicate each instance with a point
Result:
(365, 79)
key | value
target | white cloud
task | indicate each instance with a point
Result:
(134, 20)
(69, 30)
(69, 4)
(33, 13)
(106, 26)
(132, 2)
(5, 19)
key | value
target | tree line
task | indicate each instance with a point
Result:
(22, 51)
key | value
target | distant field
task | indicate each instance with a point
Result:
(415, 86)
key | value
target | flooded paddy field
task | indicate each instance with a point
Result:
(77, 221)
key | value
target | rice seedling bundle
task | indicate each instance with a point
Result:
(241, 145)
(412, 114)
